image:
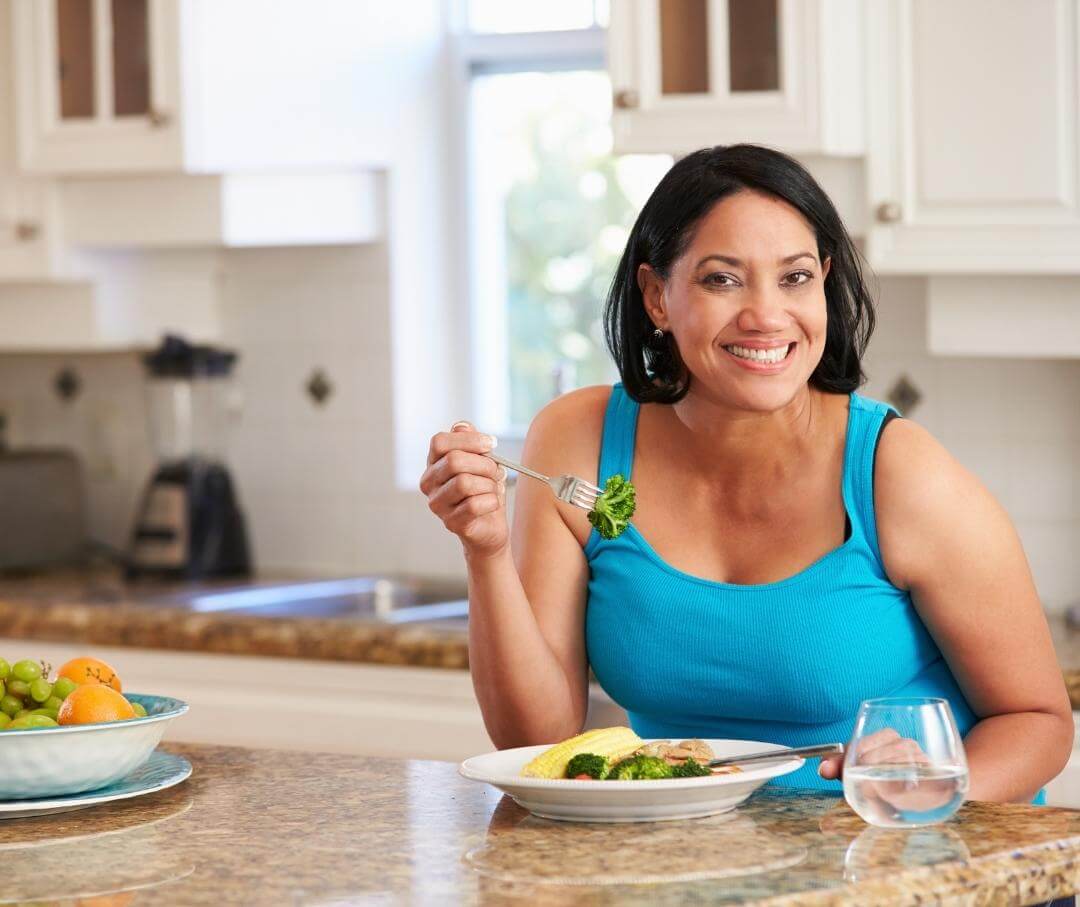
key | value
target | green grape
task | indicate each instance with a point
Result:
(41, 721)
(48, 713)
(53, 702)
(19, 724)
(40, 690)
(64, 687)
(22, 713)
(5, 669)
(26, 670)
(5, 720)
(10, 705)
(140, 712)
(16, 687)
(3, 689)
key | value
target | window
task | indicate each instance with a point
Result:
(549, 205)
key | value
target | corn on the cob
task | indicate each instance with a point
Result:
(612, 742)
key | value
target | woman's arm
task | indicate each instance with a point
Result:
(945, 538)
(527, 590)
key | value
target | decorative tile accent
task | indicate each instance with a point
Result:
(319, 387)
(67, 384)
(904, 395)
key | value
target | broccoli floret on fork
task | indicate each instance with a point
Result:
(613, 508)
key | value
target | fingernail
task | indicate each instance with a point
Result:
(458, 425)
(493, 441)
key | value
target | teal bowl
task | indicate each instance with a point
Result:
(55, 761)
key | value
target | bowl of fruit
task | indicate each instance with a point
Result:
(75, 730)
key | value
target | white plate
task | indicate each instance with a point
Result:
(160, 771)
(626, 801)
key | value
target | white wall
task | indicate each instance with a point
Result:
(317, 482)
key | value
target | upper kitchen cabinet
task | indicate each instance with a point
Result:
(687, 74)
(973, 160)
(122, 86)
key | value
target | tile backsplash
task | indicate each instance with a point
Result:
(317, 479)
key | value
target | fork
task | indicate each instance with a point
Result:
(569, 489)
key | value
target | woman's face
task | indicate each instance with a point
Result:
(745, 303)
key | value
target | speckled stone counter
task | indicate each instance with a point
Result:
(97, 607)
(266, 827)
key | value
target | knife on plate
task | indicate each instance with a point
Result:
(822, 749)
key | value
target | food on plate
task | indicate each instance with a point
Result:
(613, 743)
(91, 670)
(85, 690)
(639, 768)
(588, 767)
(613, 508)
(618, 754)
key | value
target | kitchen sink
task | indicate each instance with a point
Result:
(387, 599)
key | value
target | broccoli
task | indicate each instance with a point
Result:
(613, 508)
(639, 768)
(691, 768)
(590, 764)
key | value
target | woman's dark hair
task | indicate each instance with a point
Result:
(653, 372)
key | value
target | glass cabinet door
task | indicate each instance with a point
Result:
(717, 47)
(103, 59)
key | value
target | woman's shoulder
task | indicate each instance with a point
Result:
(564, 437)
(924, 499)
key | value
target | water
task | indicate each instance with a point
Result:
(903, 796)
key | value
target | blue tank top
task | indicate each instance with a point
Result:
(784, 662)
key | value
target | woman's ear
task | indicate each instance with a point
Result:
(652, 293)
(825, 268)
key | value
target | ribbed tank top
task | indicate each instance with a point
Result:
(784, 662)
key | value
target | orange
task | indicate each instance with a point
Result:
(92, 703)
(90, 670)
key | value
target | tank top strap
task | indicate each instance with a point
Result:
(620, 430)
(865, 418)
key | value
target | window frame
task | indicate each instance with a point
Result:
(479, 54)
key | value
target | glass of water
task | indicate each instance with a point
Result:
(905, 765)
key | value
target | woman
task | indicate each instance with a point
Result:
(795, 550)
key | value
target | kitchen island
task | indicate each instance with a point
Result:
(269, 827)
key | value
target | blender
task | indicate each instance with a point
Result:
(189, 524)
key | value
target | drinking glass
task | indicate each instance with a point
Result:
(905, 765)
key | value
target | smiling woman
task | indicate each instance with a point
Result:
(796, 549)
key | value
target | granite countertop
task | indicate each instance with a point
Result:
(267, 827)
(97, 607)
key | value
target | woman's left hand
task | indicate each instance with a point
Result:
(883, 746)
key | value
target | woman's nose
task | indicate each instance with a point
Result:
(763, 311)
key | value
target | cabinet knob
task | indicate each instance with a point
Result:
(626, 99)
(26, 231)
(159, 118)
(889, 212)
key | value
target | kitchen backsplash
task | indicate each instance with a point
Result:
(317, 479)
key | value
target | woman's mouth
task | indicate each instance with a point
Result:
(772, 358)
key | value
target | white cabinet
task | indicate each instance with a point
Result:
(687, 74)
(325, 706)
(125, 86)
(973, 154)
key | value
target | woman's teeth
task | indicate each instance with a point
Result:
(776, 354)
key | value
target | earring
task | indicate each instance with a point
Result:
(658, 335)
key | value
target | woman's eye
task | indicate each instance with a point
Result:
(720, 280)
(798, 278)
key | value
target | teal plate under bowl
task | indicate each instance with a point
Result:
(162, 770)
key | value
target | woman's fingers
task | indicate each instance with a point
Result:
(462, 437)
(455, 463)
(882, 747)
(463, 517)
(459, 489)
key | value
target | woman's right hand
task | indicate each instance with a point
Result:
(467, 490)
